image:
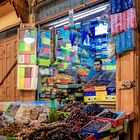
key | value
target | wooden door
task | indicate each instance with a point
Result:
(8, 56)
(125, 72)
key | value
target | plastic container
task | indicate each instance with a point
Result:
(130, 116)
(90, 99)
(100, 88)
(105, 128)
(89, 89)
(115, 122)
(129, 19)
(116, 6)
(90, 94)
(108, 98)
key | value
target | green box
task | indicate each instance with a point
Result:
(21, 72)
(21, 46)
(33, 59)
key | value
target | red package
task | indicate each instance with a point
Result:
(131, 18)
(116, 23)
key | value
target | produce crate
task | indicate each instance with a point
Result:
(89, 89)
(130, 116)
(111, 90)
(108, 98)
(90, 94)
(90, 99)
(101, 93)
(104, 131)
(115, 129)
(115, 122)
(100, 88)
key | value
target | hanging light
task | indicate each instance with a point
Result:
(28, 37)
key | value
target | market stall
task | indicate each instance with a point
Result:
(59, 69)
(77, 45)
(76, 120)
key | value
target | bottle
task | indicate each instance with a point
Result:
(53, 113)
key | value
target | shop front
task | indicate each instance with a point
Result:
(84, 69)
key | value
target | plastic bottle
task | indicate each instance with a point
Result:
(52, 113)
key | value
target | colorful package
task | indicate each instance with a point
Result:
(125, 41)
(116, 6)
(127, 4)
(129, 19)
(116, 23)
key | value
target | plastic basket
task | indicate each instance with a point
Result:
(91, 99)
(115, 122)
(100, 88)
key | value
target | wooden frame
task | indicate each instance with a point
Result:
(33, 85)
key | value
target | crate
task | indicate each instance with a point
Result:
(100, 88)
(103, 131)
(115, 122)
(101, 93)
(111, 90)
(108, 98)
(89, 89)
(90, 94)
(130, 116)
(115, 129)
(90, 99)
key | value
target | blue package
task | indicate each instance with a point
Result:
(124, 42)
(116, 6)
(127, 4)
(129, 35)
(117, 44)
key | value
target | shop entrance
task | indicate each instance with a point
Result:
(124, 66)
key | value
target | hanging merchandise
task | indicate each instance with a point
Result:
(72, 37)
(78, 25)
(123, 16)
(129, 19)
(84, 34)
(111, 48)
(116, 23)
(27, 77)
(92, 31)
(118, 6)
(124, 42)
(27, 70)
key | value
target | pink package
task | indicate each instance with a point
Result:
(116, 23)
(45, 50)
(27, 82)
(26, 59)
(129, 19)
(68, 58)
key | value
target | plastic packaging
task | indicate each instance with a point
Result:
(116, 6)
(125, 41)
(116, 23)
(127, 4)
(129, 19)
